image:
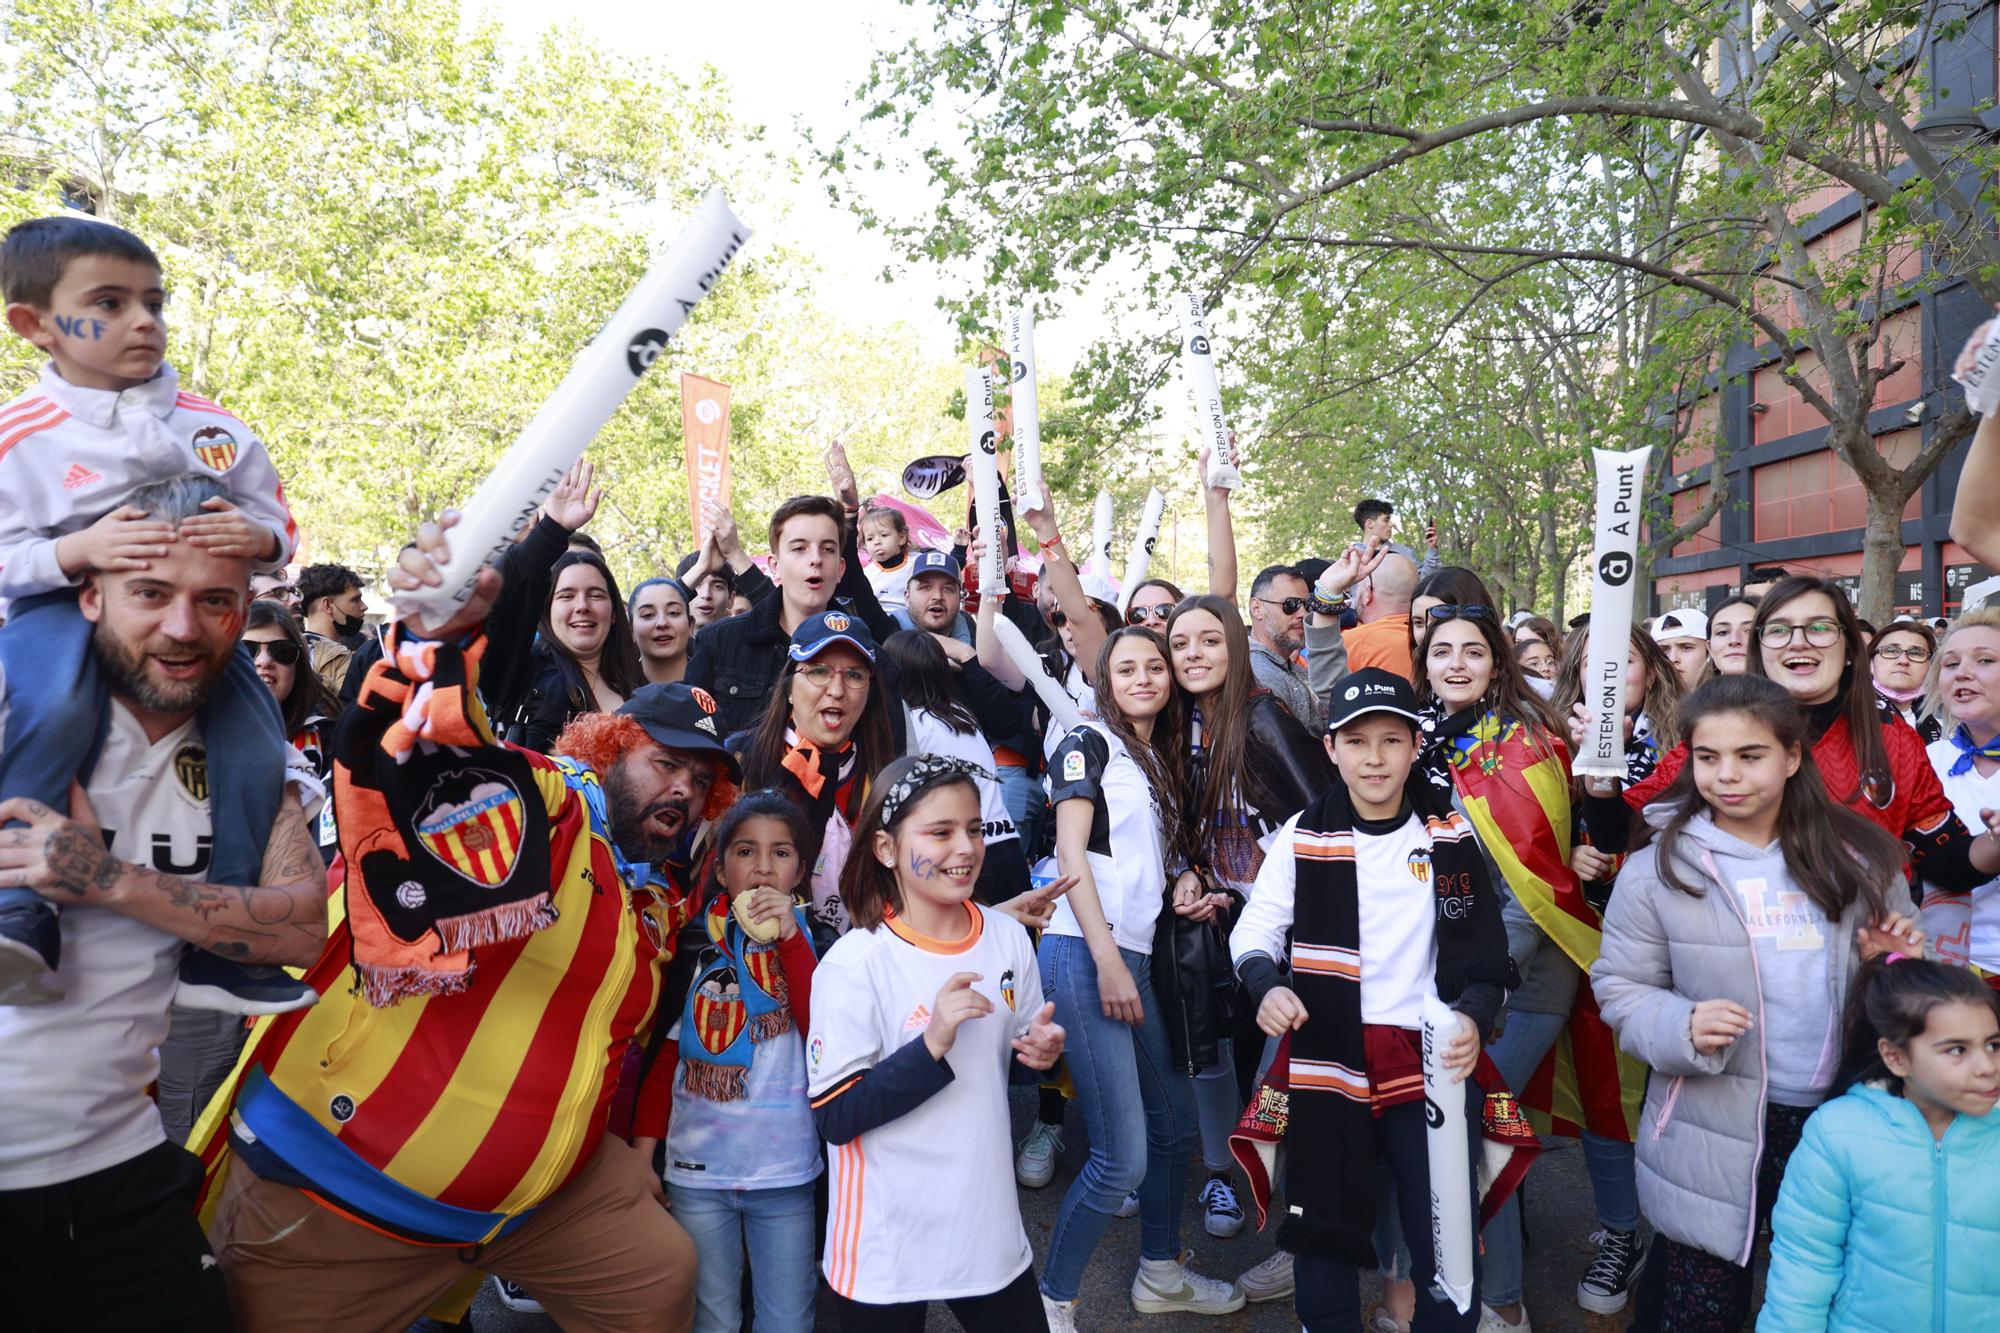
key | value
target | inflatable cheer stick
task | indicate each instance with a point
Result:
(1100, 538)
(985, 464)
(1062, 708)
(1450, 1156)
(1027, 422)
(1141, 555)
(603, 374)
(1198, 366)
(1621, 486)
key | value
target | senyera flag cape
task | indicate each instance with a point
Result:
(1515, 787)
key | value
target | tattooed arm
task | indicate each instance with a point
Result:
(282, 920)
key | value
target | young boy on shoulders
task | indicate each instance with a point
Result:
(108, 417)
(1381, 887)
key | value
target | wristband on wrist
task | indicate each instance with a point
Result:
(1322, 605)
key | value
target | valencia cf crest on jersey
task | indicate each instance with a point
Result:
(191, 771)
(718, 1011)
(471, 820)
(215, 447)
(1007, 987)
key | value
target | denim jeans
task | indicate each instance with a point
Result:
(1138, 1109)
(1517, 1052)
(1218, 1107)
(1026, 805)
(776, 1226)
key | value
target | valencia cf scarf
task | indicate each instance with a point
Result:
(1331, 1141)
(737, 1001)
(444, 829)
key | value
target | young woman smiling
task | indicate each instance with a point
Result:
(1965, 692)
(589, 663)
(1807, 639)
(1114, 783)
(1497, 746)
(1729, 635)
(661, 628)
(1251, 766)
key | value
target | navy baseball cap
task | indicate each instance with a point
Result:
(1371, 690)
(934, 562)
(680, 717)
(812, 637)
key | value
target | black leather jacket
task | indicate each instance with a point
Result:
(1192, 977)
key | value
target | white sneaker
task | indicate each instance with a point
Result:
(1224, 1213)
(1269, 1281)
(1035, 1164)
(1060, 1315)
(1129, 1208)
(1491, 1322)
(1175, 1290)
(516, 1297)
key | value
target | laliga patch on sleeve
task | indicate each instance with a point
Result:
(1073, 766)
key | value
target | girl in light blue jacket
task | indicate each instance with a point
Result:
(1889, 1218)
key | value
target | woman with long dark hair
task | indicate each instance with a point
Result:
(1728, 949)
(1495, 743)
(1251, 766)
(1808, 641)
(277, 644)
(1730, 629)
(662, 628)
(1114, 783)
(822, 740)
(589, 662)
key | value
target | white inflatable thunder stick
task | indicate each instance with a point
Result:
(1198, 367)
(1982, 385)
(985, 464)
(1027, 421)
(1450, 1156)
(1141, 555)
(1028, 662)
(603, 374)
(1099, 563)
(1621, 493)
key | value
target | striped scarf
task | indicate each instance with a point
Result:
(736, 1002)
(1331, 1142)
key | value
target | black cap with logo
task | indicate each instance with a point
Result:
(1371, 690)
(680, 717)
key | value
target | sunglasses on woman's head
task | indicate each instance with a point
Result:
(1469, 611)
(282, 651)
(1139, 615)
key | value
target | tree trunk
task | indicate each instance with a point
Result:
(1882, 550)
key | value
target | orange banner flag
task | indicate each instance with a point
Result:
(705, 430)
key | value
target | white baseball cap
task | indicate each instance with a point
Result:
(1684, 623)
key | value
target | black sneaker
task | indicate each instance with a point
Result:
(1607, 1284)
(516, 1298)
(216, 984)
(30, 949)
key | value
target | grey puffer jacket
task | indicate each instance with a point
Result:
(1701, 1134)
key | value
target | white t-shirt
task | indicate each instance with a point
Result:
(1127, 849)
(929, 735)
(1398, 911)
(924, 1208)
(891, 585)
(1963, 930)
(74, 1074)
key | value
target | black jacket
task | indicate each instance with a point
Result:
(1192, 977)
(739, 660)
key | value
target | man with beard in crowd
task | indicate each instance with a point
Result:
(95, 1203)
(1277, 632)
(448, 1115)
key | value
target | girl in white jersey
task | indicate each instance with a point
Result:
(920, 1015)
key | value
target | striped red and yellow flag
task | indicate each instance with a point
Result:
(1515, 786)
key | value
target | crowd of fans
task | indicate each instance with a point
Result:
(666, 955)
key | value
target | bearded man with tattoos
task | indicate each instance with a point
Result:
(96, 1201)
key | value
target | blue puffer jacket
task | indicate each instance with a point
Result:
(1880, 1226)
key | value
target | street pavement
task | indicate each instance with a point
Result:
(1560, 1221)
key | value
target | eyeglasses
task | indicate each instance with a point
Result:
(1468, 611)
(1291, 606)
(1057, 618)
(1139, 615)
(1895, 652)
(282, 651)
(1819, 633)
(821, 675)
